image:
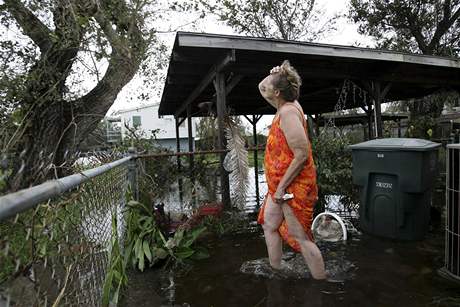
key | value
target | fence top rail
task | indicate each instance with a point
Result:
(191, 153)
(14, 203)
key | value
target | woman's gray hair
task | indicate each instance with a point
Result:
(287, 81)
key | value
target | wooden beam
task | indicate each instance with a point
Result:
(378, 110)
(248, 119)
(407, 76)
(233, 82)
(254, 120)
(259, 72)
(179, 167)
(208, 78)
(272, 45)
(190, 130)
(180, 120)
(378, 94)
(177, 139)
(195, 58)
(256, 158)
(369, 121)
(190, 149)
(219, 84)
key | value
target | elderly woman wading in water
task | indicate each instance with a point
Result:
(289, 169)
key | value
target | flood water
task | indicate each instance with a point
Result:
(372, 272)
(378, 272)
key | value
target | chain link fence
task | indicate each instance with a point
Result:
(168, 180)
(54, 238)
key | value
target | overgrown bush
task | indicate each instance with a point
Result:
(334, 169)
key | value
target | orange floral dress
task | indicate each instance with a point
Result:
(278, 157)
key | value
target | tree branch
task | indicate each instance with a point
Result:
(128, 47)
(30, 24)
(444, 25)
(417, 33)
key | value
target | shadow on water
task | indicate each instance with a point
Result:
(376, 272)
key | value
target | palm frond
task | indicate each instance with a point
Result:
(236, 162)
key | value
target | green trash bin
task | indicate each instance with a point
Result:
(396, 178)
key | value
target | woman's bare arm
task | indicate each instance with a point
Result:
(293, 129)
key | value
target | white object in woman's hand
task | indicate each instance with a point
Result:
(288, 196)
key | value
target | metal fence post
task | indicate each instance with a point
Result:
(133, 173)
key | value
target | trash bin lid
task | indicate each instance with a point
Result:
(403, 144)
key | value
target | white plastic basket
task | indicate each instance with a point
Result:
(336, 217)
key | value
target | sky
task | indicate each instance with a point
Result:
(82, 80)
(346, 34)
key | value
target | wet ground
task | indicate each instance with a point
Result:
(375, 272)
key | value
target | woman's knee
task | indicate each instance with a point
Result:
(269, 227)
(299, 235)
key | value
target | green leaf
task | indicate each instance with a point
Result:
(160, 253)
(107, 289)
(193, 236)
(178, 236)
(138, 248)
(117, 276)
(184, 253)
(147, 252)
(141, 264)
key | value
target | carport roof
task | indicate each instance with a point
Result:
(196, 57)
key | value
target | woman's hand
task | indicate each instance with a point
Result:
(278, 196)
(275, 70)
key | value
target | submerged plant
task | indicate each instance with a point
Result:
(146, 243)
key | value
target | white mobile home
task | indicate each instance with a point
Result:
(146, 119)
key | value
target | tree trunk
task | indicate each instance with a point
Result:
(53, 127)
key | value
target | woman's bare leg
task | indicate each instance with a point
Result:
(309, 250)
(273, 216)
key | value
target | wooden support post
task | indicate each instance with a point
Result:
(179, 167)
(317, 117)
(219, 84)
(191, 149)
(370, 126)
(378, 110)
(378, 95)
(253, 122)
(256, 158)
(178, 144)
(190, 136)
(399, 128)
(311, 131)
